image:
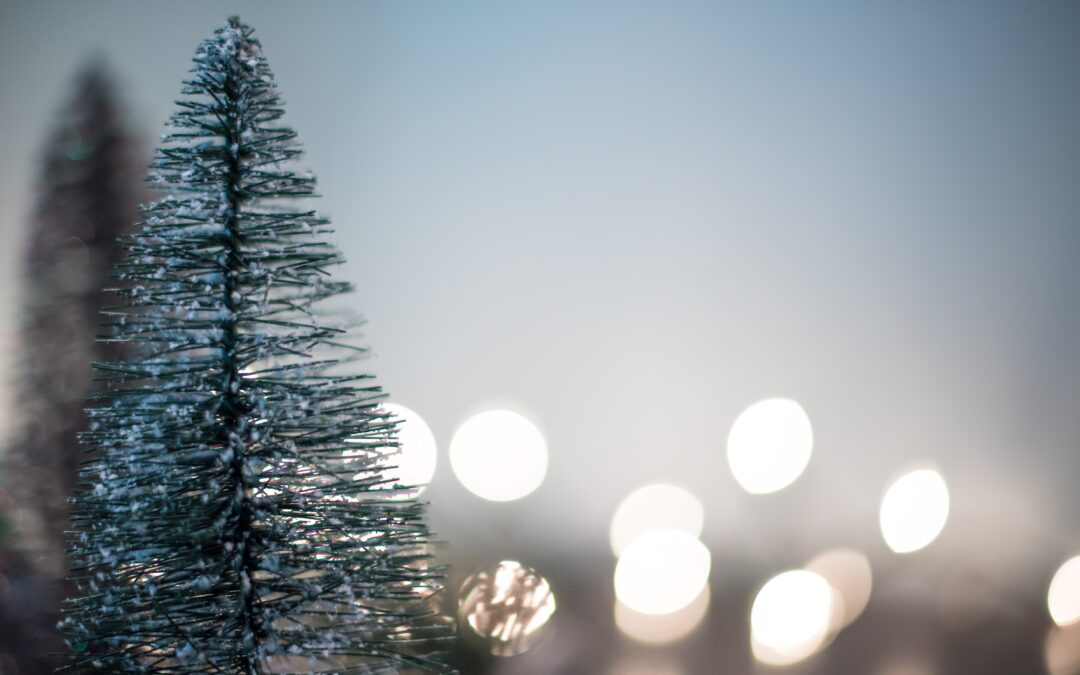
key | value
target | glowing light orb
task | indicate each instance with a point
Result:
(661, 572)
(848, 572)
(655, 507)
(769, 445)
(790, 617)
(660, 629)
(638, 666)
(1062, 650)
(1063, 598)
(914, 510)
(414, 463)
(499, 455)
(507, 606)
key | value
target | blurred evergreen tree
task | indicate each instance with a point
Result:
(237, 515)
(88, 194)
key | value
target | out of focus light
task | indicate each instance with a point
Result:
(655, 507)
(914, 510)
(499, 455)
(1062, 650)
(661, 572)
(658, 629)
(790, 617)
(416, 457)
(769, 445)
(848, 572)
(642, 667)
(1063, 598)
(507, 606)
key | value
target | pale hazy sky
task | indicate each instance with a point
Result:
(630, 220)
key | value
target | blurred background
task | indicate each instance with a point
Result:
(812, 268)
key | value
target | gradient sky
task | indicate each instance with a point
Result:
(630, 220)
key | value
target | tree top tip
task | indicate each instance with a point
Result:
(235, 25)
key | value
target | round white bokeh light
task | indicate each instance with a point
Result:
(417, 456)
(655, 507)
(662, 629)
(791, 617)
(914, 510)
(661, 572)
(499, 455)
(769, 445)
(508, 606)
(1063, 598)
(848, 572)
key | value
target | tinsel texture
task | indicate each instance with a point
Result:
(238, 513)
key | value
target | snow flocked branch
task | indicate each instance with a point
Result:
(235, 515)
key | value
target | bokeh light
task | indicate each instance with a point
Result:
(848, 573)
(1063, 597)
(499, 455)
(769, 445)
(661, 572)
(655, 507)
(1062, 650)
(914, 510)
(790, 617)
(658, 629)
(640, 666)
(417, 454)
(508, 607)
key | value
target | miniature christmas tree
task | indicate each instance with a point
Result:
(88, 196)
(236, 516)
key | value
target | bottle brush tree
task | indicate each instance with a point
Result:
(88, 194)
(238, 512)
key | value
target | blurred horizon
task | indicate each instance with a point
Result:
(631, 221)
